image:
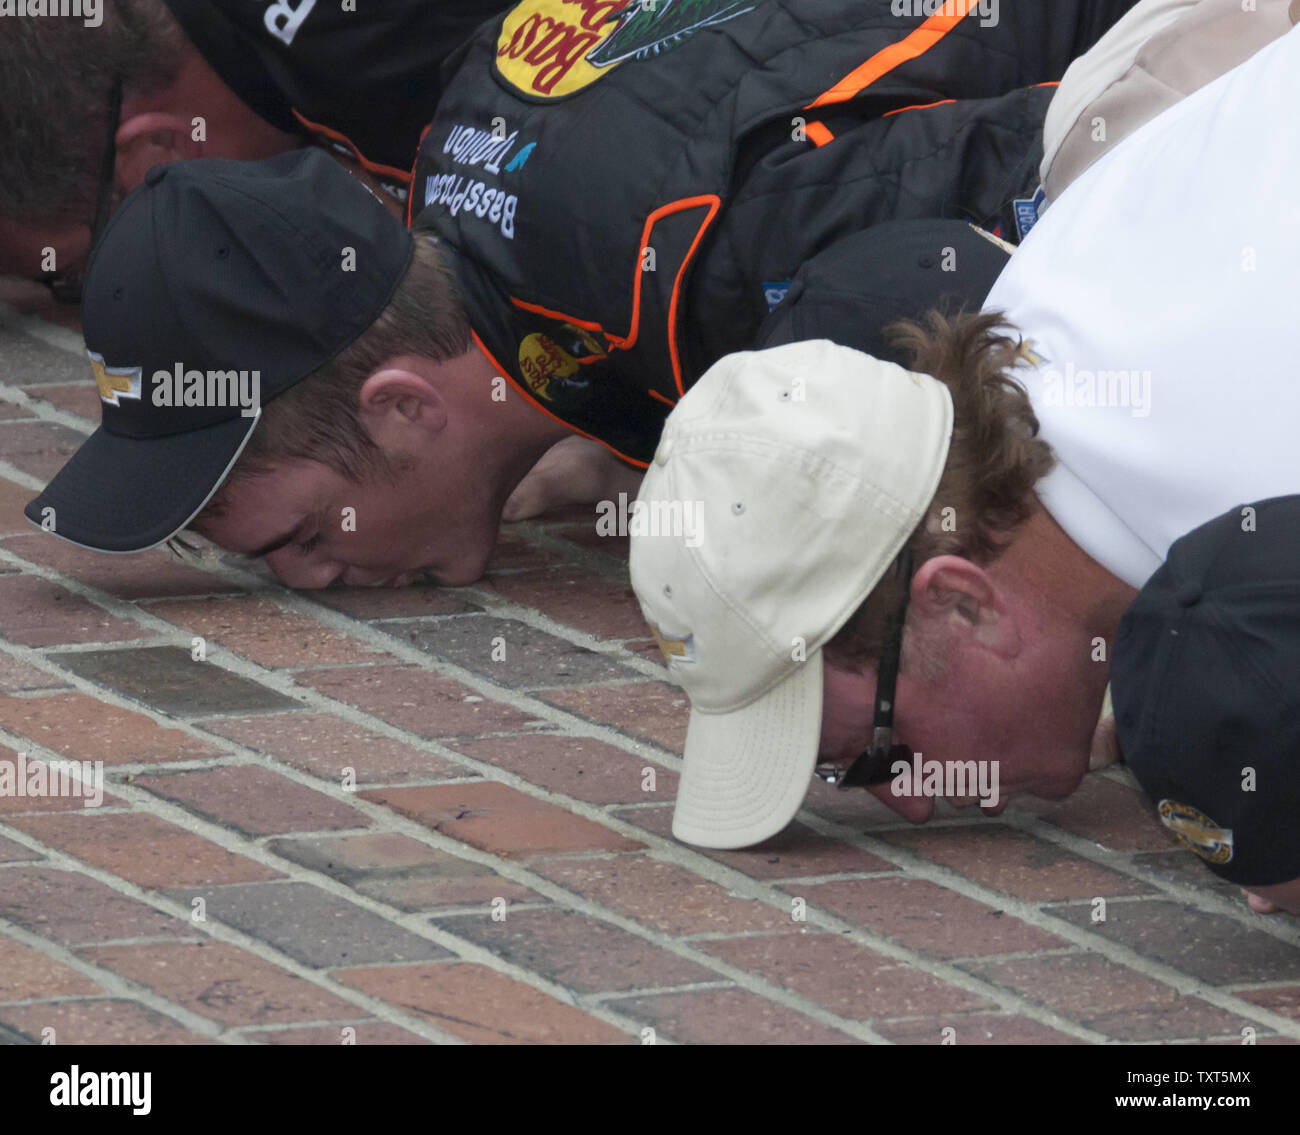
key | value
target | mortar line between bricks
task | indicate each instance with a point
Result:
(41, 410)
(34, 327)
(1019, 956)
(23, 1002)
(26, 480)
(216, 930)
(512, 907)
(1183, 984)
(296, 1026)
(660, 991)
(117, 986)
(1206, 901)
(1251, 986)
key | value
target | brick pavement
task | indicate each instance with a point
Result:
(349, 821)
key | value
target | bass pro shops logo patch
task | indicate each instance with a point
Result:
(1195, 829)
(550, 49)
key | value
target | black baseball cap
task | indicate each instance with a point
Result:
(1205, 681)
(218, 285)
(863, 283)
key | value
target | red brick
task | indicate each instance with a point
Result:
(396, 602)
(16, 677)
(13, 499)
(427, 705)
(576, 766)
(151, 574)
(1283, 1000)
(926, 917)
(1015, 863)
(27, 974)
(260, 631)
(973, 1029)
(254, 800)
(39, 449)
(221, 981)
(79, 398)
(726, 1016)
(1108, 997)
(849, 980)
(324, 745)
(11, 852)
(35, 612)
(580, 953)
(98, 1022)
(363, 1032)
(401, 871)
(602, 607)
(480, 1005)
(662, 895)
(431, 893)
(16, 805)
(71, 908)
(794, 852)
(500, 819)
(74, 725)
(514, 552)
(1116, 816)
(143, 849)
(649, 711)
(12, 413)
(586, 536)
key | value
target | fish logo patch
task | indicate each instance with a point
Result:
(1195, 829)
(550, 49)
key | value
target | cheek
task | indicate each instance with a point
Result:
(847, 705)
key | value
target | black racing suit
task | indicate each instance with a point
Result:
(626, 191)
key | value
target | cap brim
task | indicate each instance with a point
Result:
(119, 494)
(746, 773)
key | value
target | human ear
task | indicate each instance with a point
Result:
(964, 599)
(394, 400)
(146, 140)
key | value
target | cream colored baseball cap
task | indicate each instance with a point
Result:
(785, 484)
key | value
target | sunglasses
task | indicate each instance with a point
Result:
(876, 764)
(67, 286)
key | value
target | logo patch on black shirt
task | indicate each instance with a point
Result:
(550, 49)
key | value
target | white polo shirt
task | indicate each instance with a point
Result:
(1162, 294)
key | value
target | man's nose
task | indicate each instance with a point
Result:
(302, 572)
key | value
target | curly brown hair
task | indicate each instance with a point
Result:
(996, 458)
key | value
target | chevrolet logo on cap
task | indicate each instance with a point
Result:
(1197, 831)
(114, 381)
(675, 649)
